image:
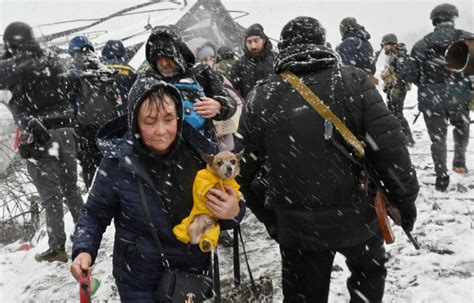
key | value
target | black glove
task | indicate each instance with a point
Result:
(408, 213)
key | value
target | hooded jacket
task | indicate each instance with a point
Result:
(299, 184)
(168, 180)
(164, 42)
(250, 69)
(356, 50)
(438, 89)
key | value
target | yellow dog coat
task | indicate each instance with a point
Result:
(205, 180)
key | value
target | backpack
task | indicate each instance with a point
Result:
(190, 91)
(99, 100)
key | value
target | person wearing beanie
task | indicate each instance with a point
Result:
(442, 95)
(225, 60)
(355, 48)
(256, 63)
(170, 59)
(40, 105)
(299, 182)
(113, 55)
(394, 78)
(151, 149)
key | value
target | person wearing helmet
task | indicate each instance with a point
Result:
(396, 86)
(355, 48)
(113, 56)
(97, 102)
(442, 95)
(41, 107)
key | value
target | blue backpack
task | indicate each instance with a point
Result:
(190, 92)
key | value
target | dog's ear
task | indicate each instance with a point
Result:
(240, 154)
(207, 157)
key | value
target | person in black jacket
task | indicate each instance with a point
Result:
(41, 106)
(256, 63)
(113, 55)
(442, 95)
(355, 48)
(151, 145)
(303, 188)
(172, 61)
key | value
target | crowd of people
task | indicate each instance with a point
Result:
(141, 136)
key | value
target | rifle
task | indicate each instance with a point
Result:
(416, 117)
(383, 207)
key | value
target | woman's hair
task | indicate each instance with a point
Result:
(157, 99)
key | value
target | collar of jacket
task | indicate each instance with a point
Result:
(303, 58)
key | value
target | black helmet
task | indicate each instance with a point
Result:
(17, 35)
(444, 12)
(389, 39)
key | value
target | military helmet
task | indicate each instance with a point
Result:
(80, 44)
(389, 39)
(18, 34)
(444, 12)
(347, 24)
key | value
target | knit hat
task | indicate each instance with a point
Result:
(302, 30)
(204, 52)
(255, 30)
(389, 39)
(348, 24)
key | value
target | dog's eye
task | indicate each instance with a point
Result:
(220, 163)
(233, 161)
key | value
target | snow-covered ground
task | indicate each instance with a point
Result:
(441, 271)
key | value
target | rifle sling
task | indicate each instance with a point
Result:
(324, 111)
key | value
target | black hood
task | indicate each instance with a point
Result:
(164, 42)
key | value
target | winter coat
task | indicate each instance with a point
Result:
(168, 180)
(39, 87)
(125, 76)
(165, 41)
(438, 89)
(250, 69)
(356, 50)
(204, 181)
(300, 185)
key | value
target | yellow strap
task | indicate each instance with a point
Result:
(325, 112)
(121, 66)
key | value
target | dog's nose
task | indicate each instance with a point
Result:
(228, 169)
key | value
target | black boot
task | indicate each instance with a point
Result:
(51, 255)
(442, 182)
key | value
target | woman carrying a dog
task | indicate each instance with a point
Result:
(152, 145)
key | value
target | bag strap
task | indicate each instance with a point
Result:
(324, 111)
(150, 223)
(253, 286)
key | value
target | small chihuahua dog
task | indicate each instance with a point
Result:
(200, 227)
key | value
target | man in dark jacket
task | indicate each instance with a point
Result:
(395, 82)
(355, 48)
(306, 190)
(256, 63)
(97, 102)
(442, 95)
(41, 107)
(172, 61)
(113, 55)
